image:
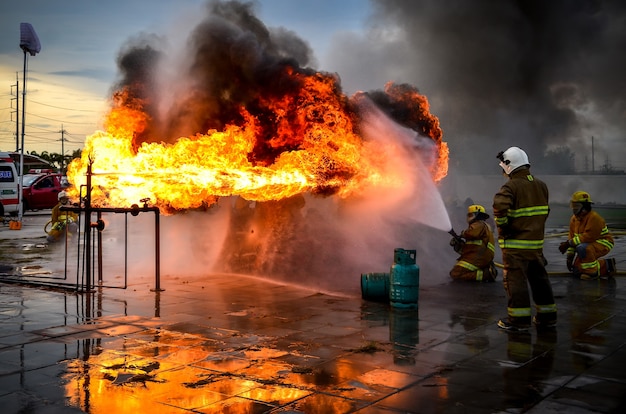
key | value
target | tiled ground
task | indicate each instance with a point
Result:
(237, 344)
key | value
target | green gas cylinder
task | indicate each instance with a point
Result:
(375, 286)
(404, 280)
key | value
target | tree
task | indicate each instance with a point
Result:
(557, 161)
(59, 161)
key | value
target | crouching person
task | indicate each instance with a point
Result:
(589, 240)
(61, 221)
(476, 247)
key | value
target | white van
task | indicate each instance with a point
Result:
(9, 202)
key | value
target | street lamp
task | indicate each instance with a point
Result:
(29, 42)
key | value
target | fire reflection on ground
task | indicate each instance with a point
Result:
(123, 368)
(172, 369)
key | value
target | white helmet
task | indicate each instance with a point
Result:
(512, 159)
(62, 194)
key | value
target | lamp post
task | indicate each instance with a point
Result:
(29, 42)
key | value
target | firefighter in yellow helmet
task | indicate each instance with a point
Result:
(589, 240)
(62, 220)
(475, 244)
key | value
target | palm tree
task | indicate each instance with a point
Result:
(58, 160)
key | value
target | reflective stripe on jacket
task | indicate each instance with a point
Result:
(520, 209)
(588, 229)
(479, 248)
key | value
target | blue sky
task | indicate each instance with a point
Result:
(69, 81)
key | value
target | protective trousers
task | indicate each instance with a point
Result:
(521, 269)
(590, 264)
(463, 270)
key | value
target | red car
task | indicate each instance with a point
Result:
(40, 190)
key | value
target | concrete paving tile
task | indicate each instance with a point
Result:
(606, 367)
(214, 343)
(583, 399)
(224, 361)
(266, 371)
(363, 392)
(275, 331)
(424, 397)
(236, 405)
(10, 382)
(19, 339)
(274, 394)
(22, 401)
(320, 403)
(550, 406)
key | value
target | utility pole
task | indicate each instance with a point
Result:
(29, 43)
(593, 156)
(62, 131)
(17, 111)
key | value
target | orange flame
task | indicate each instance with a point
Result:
(315, 129)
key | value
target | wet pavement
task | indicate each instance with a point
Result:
(237, 344)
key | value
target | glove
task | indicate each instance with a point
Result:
(570, 262)
(581, 250)
(563, 247)
(457, 244)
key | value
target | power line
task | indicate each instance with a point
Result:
(57, 120)
(67, 109)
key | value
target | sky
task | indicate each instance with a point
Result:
(538, 74)
(69, 82)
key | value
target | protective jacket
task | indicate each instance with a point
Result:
(591, 239)
(476, 254)
(520, 209)
(588, 229)
(479, 248)
(61, 216)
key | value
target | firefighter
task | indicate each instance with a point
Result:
(520, 209)
(62, 220)
(589, 239)
(476, 247)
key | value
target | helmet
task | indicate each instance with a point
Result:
(476, 208)
(476, 212)
(581, 197)
(512, 159)
(61, 195)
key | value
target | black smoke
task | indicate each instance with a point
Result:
(533, 73)
(232, 60)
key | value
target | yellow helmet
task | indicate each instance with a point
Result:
(581, 197)
(476, 208)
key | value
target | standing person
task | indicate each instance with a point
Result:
(62, 220)
(475, 244)
(589, 239)
(521, 209)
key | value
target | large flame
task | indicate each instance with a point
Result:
(314, 146)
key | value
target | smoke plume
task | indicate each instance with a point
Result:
(535, 74)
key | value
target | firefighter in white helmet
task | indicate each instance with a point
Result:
(62, 220)
(589, 239)
(475, 244)
(520, 209)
